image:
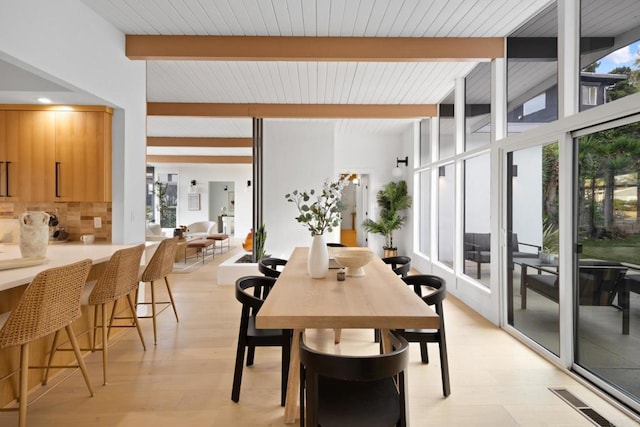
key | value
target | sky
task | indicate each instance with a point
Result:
(625, 56)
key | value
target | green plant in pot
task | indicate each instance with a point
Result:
(550, 242)
(393, 199)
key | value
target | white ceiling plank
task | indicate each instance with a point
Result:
(269, 19)
(323, 16)
(390, 17)
(294, 8)
(376, 16)
(362, 17)
(309, 18)
(336, 17)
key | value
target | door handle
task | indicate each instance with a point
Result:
(6, 179)
(57, 180)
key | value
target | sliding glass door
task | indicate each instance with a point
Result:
(607, 274)
(532, 244)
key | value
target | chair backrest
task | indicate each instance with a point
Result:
(269, 266)
(422, 282)
(120, 276)
(401, 265)
(49, 303)
(161, 263)
(357, 368)
(251, 291)
(599, 283)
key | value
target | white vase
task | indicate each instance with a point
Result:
(34, 234)
(318, 259)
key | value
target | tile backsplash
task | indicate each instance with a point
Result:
(75, 217)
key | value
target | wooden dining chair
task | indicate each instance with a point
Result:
(367, 391)
(251, 291)
(269, 266)
(432, 290)
(51, 302)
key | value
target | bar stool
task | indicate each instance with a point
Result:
(120, 279)
(159, 267)
(50, 303)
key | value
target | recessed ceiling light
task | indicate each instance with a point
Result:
(44, 100)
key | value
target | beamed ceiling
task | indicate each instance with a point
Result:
(365, 65)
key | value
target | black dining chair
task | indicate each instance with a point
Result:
(269, 266)
(336, 245)
(401, 265)
(432, 290)
(251, 291)
(339, 390)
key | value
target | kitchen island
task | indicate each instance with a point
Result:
(14, 281)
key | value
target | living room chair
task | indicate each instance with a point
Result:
(339, 390)
(50, 303)
(159, 268)
(251, 292)
(432, 290)
(269, 266)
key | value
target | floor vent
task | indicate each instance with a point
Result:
(590, 413)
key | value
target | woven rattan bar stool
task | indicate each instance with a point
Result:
(159, 267)
(120, 279)
(50, 303)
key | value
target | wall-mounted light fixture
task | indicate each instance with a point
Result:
(248, 188)
(441, 171)
(226, 188)
(192, 187)
(397, 172)
(514, 171)
(249, 183)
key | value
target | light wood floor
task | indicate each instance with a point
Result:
(186, 379)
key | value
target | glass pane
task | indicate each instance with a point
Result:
(424, 195)
(609, 64)
(477, 218)
(607, 289)
(425, 141)
(532, 72)
(533, 244)
(447, 128)
(446, 217)
(477, 112)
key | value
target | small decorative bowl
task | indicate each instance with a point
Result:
(353, 260)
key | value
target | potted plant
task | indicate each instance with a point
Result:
(392, 200)
(549, 242)
(319, 212)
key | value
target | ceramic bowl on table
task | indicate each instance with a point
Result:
(353, 260)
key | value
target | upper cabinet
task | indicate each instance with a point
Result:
(49, 155)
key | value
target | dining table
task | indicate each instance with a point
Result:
(379, 299)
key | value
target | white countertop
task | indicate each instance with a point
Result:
(57, 255)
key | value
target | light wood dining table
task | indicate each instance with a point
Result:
(378, 300)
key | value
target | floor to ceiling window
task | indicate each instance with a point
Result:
(446, 213)
(477, 219)
(607, 285)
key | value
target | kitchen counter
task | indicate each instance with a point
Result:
(57, 255)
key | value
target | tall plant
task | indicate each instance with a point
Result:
(392, 200)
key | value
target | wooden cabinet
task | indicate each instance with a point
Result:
(83, 156)
(48, 155)
(29, 156)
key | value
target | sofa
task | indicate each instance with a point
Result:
(201, 229)
(477, 248)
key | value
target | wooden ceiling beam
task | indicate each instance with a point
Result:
(308, 111)
(265, 48)
(212, 142)
(199, 159)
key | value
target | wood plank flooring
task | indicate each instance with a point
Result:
(186, 379)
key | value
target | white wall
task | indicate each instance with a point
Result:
(239, 174)
(66, 40)
(298, 155)
(375, 155)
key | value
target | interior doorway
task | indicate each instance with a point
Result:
(355, 200)
(222, 203)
